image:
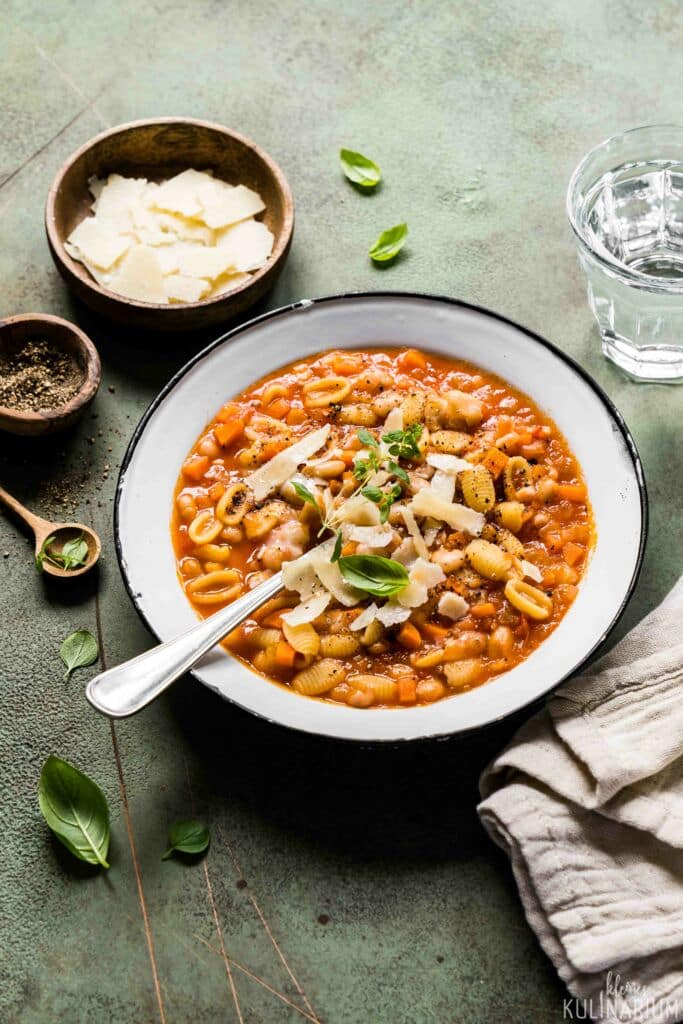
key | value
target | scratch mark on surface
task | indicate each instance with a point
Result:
(260, 981)
(41, 149)
(70, 82)
(214, 909)
(268, 931)
(131, 837)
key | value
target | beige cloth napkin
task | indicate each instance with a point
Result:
(587, 801)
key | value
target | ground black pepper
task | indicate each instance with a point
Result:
(38, 376)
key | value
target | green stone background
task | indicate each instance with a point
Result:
(477, 113)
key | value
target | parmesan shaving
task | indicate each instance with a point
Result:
(448, 463)
(531, 571)
(391, 614)
(443, 484)
(281, 467)
(452, 606)
(308, 610)
(414, 531)
(365, 618)
(423, 577)
(370, 535)
(458, 517)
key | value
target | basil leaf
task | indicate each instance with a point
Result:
(187, 837)
(359, 169)
(337, 548)
(373, 494)
(73, 555)
(398, 471)
(365, 437)
(78, 650)
(76, 810)
(389, 244)
(374, 574)
(305, 495)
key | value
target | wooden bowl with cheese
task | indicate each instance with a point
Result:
(170, 224)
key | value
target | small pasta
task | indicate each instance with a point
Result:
(516, 475)
(382, 687)
(325, 391)
(488, 560)
(478, 489)
(303, 638)
(372, 633)
(339, 645)
(503, 538)
(264, 638)
(449, 442)
(461, 674)
(510, 514)
(214, 553)
(218, 587)
(463, 410)
(204, 528)
(357, 415)
(434, 410)
(412, 408)
(529, 600)
(259, 522)
(319, 677)
(273, 391)
(233, 505)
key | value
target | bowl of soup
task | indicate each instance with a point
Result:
(438, 487)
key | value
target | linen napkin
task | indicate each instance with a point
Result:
(587, 801)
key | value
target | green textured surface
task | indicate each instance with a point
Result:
(477, 114)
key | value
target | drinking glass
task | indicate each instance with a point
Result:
(625, 204)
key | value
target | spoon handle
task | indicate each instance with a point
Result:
(34, 521)
(129, 687)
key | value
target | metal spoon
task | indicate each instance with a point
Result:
(61, 532)
(129, 687)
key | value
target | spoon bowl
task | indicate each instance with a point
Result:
(58, 534)
(61, 534)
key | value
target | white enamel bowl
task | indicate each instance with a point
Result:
(594, 429)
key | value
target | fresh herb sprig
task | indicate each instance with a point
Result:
(309, 498)
(72, 555)
(384, 499)
(403, 443)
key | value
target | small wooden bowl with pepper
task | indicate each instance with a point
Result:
(49, 373)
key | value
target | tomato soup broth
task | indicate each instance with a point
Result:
(454, 520)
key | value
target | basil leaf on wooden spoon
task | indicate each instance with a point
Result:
(359, 169)
(374, 574)
(78, 650)
(187, 837)
(76, 810)
(389, 244)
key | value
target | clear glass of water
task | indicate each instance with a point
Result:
(625, 204)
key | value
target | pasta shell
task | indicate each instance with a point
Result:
(319, 678)
(382, 687)
(303, 638)
(339, 645)
(529, 600)
(461, 674)
(451, 442)
(517, 474)
(478, 488)
(510, 514)
(488, 560)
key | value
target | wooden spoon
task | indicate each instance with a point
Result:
(61, 532)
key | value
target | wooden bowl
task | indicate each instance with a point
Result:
(157, 150)
(15, 332)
